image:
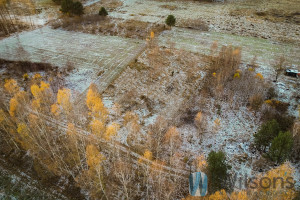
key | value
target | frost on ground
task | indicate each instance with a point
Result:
(89, 55)
(266, 52)
(218, 16)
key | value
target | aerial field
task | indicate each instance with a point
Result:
(265, 51)
(89, 55)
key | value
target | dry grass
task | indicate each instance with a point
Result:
(95, 24)
(272, 10)
(110, 5)
(169, 7)
(197, 24)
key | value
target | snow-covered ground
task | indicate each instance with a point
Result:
(266, 51)
(88, 54)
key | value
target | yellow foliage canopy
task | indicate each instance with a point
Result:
(172, 134)
(97, 127)
(13, 104)
(23, 138)
(148, 155)
(11, 86)
(39, 92)
(95, 104)
(63, 98)
(93, 156)
(152, 35)
(198, 117)
(259, 76)
(111, 131)
(55, 109)
(36, 104)
(2, 116)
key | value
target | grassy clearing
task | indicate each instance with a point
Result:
(265, 50)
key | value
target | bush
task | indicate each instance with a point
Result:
(266, 134)
(281, 147)
(77, 8)
(170, 21)
(256, 102)
(280, 106)
(217, 171)
(271, 93)
(68, 6)
(103, 12)
(285, 121)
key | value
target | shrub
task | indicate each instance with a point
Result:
(70, 7)
(281, 147)
(256, 101)
(170, 21)
(77, 8)
(217, 171)
(103, 12)
(266, 134)
(285, 121)
(280, 106)
(66, 6)
(271, 93)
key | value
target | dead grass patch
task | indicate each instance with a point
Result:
(169, 7)
(109, 5)
(197, 24)
(95, 24)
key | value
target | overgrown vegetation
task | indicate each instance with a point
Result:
(70, 7)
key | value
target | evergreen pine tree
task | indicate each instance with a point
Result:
(170, 21)
(266, 134)
(281, 147)
(218, 176)
(103, 12)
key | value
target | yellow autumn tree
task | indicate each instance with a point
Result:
(36, 104)
(173, 139)
(41, 94)
(23, 136)
(147, 155)
(198, 120)
(111, 130)
(63, 99)
(11, 86)
(13, 104)
(17, 102)
(2, 116)
(93, 156)
(55, 109)
(97, 127)
(95, 104)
